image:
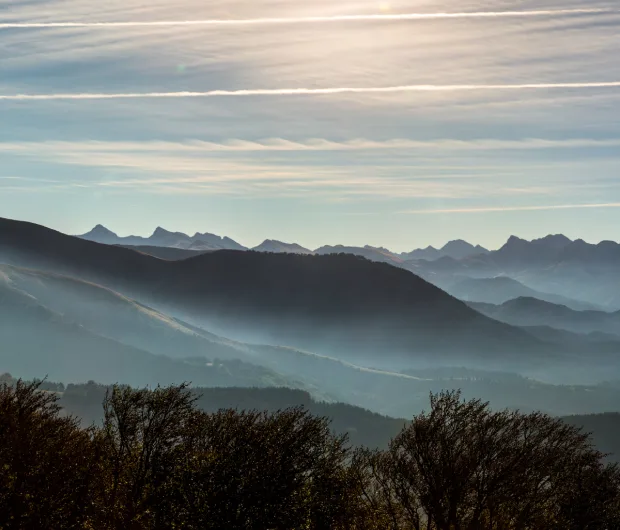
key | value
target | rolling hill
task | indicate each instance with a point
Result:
(270, 245)
(501, 289)
(39, 342)
(167, 253)
(341, 305)
(57, 325)
(527, 311)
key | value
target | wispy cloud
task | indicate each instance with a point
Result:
(308, 91)
(306, 20)
(312, 144)
(454, 103)
(490, 209)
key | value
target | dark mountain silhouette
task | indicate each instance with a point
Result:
(532, 312)
(380, 255)
(167, 253)
(457, 249)
(101, 313)
(342, 305)
(163, 238)
(502, 289)
(270, 245)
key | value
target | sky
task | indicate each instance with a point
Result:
(402, 123)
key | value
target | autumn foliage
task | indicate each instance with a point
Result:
(157, 461)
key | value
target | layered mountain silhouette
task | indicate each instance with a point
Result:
(341, 305)
(58, 325)
(535, 312)
(270, 245)
(502, 289)
(554, 264)
(336, 325)
(167, 253)
(37, 341)
(163, 238)
(380, 255)
(457, 249)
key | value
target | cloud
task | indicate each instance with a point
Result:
(305, 20)
(490, 209)
(308, 91)
(47, 148)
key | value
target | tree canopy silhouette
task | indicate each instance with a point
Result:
(157, 461)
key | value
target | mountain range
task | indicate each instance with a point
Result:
(554, 264)
(502, 289)
(56, 325)
(203, 242)
(586, 274)
(457, 249)
(340, 305)
(164, 238)
(337, 325)
(527, 311)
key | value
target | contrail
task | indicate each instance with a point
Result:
(304, 20)
(306, 91)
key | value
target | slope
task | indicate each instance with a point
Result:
(270, 245)
(381, 255)
(37, 342)
(501, 289)
(340, 305)
(526, 311)
(167, 253)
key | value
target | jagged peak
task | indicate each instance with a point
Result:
(555, 239)
(206, 234)
(159, 232)
(380, 249)
(457, 243)
(100, 230)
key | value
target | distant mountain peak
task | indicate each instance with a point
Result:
(459, 249)
(555, 240)
(99, 233)
(457, 242)
(102, 230)
(198, 235)
(513, 243)
(159, 231)
(274, 246)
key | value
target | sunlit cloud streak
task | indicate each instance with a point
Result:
(311, 144)
(489, 209)
(307, 91)
(305, 20)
